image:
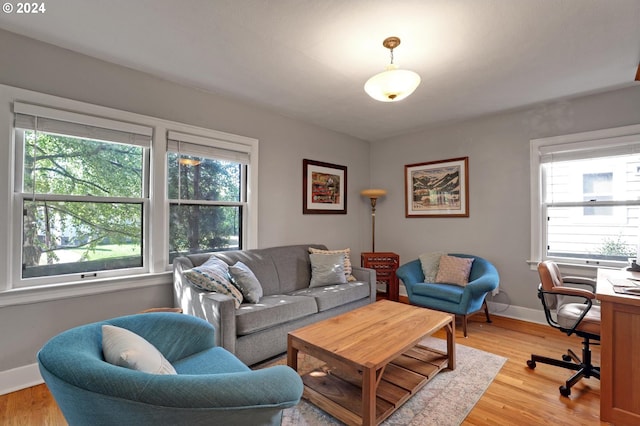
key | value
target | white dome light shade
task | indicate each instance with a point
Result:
(392, 85)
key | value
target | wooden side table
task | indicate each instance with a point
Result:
(385, 265)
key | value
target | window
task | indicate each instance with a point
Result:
(587, 190)
(207, 195)
(81, 191)
(105, 199)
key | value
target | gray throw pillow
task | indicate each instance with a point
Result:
(327, 269)
(430, 263)
(244, 278)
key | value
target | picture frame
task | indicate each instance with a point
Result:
(437, 188)
(324, 188)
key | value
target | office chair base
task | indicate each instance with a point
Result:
(571, 362)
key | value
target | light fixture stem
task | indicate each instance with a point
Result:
(391, 55)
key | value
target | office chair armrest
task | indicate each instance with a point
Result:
(580, 281)
(571, 291)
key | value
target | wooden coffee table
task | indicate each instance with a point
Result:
(373, 360)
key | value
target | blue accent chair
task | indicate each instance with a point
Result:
(212, 385)
(451, 298)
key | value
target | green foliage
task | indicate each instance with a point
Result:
(616, 247)
(68, 166)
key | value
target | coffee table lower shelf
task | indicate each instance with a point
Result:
(339, 392)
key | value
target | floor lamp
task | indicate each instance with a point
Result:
(373, 195)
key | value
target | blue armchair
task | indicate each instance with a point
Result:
(212, 386)
(454, 299)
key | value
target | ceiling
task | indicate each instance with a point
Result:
(309, 59)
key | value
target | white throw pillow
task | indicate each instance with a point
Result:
(126, 349)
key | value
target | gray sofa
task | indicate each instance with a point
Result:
(256, 332)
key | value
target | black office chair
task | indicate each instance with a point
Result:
(581, 319)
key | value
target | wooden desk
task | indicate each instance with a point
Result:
(620, 355)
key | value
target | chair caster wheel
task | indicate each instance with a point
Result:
(531, 364)
(566, 358)
(565, 391)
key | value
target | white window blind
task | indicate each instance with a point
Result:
(207, 147)
(60, 122)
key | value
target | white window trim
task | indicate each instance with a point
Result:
(538, 146)
(157, 260)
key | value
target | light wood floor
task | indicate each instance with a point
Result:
(517, 396)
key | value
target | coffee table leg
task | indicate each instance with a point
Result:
(292, 355)
(451, 343)
(369, 396)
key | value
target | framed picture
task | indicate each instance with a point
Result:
(437, 188)
(324, 188)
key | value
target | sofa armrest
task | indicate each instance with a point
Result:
(218, 309)
(366, 275)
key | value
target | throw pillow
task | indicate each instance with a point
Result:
(430, 263)
(347, 260)
(213, 275)
(327, 269)
(244, 278)
(126, 349)
(454, 270)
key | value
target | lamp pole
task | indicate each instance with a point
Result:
(373, 195)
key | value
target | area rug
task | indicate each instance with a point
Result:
(446, 400)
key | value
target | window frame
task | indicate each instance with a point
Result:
(188, 144)
(618, 136)
(156, 227)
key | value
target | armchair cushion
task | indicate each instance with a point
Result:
(454, 270)
(126, 349)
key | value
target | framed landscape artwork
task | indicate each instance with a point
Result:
(437, 188)
(324, 188)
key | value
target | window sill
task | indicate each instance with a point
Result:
(27, 295)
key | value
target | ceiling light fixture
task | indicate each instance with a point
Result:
(393, 84)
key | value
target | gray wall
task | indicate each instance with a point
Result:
(498, 227)
(284, 142)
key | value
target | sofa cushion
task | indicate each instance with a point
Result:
(454, 270)
(448, 292)
(125, 348)
(273, 310)
(331, 296)
(213, 275)
(348, 269)
(327, 269)
(246, 281)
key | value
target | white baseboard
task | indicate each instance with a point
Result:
(29, 375)
(517, 312)
(19, 378)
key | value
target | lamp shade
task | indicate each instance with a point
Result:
(373, 193)
(392, 85)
